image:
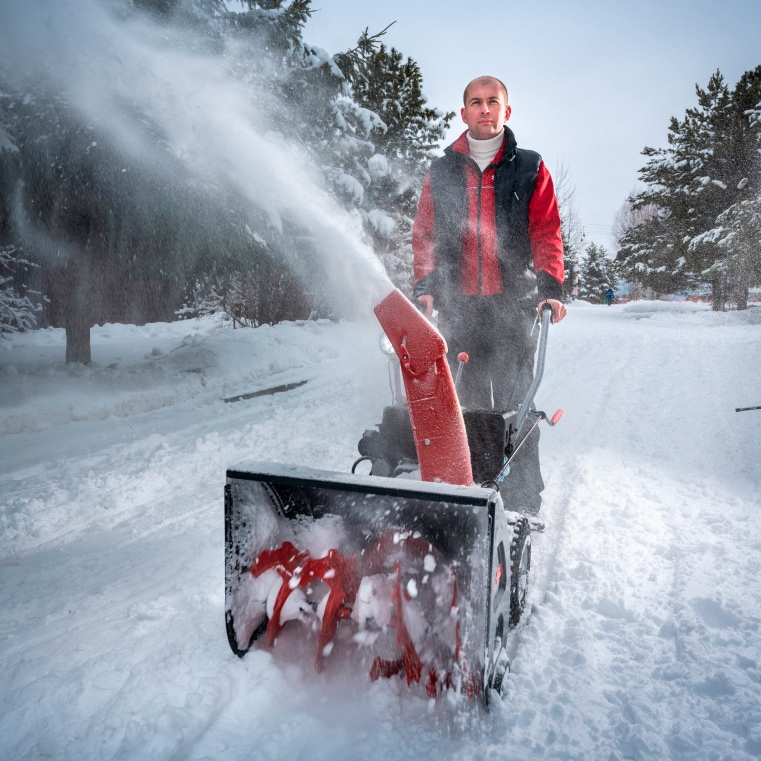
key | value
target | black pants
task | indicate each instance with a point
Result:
(496, 334)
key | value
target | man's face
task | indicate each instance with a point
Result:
(486, 110)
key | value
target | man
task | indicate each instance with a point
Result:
(488, 253)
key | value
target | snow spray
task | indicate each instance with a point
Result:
(112, 67)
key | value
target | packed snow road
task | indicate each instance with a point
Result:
(643, 637)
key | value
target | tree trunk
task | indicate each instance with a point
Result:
(78, 314)
(719, 292)
(740, 288)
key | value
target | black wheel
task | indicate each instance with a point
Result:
(520, 569)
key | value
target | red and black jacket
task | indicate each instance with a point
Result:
(491, 232)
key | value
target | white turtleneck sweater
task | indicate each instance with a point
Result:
(484, 151)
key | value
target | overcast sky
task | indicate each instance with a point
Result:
(591, 83)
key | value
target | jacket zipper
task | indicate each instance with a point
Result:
(478, 233)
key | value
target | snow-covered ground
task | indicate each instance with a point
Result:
(643, 635)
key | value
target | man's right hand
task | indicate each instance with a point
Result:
(427, 302)
(559, 310)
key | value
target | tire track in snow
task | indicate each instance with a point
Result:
(565, 468)
(544, 550)
(631, 559)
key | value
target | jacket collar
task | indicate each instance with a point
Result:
(507, 151)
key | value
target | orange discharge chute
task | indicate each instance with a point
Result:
(437, 422)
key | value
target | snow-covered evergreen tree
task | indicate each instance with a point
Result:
(703, 172)
(738, 235)
(737, 230)
(146, 230)
(389, 85)
(596, 275)
(18, 312)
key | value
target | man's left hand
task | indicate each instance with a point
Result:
(558, 308)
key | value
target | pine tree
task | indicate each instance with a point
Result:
(390, 86)
(106, 226)
(597, 274)
(735, 233)
(738, 235)
(572, 268)
(680, 187)
(19, 304)
(691, 184)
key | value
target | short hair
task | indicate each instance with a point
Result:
(484, 78)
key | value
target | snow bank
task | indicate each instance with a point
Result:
(136, 370)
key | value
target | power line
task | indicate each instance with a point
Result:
(598, 228)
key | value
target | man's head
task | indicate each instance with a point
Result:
(485, 108)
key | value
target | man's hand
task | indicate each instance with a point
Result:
(427, 303)
(558, 308)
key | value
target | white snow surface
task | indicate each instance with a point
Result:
(642, 638)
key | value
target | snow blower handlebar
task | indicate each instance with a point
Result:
(525, 408)
(462, 360)
(546, 318)
(539, 417)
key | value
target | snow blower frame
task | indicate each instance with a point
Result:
(417, 578)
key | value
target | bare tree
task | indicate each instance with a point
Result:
(571, 229)
(628, 217)
(565, 190)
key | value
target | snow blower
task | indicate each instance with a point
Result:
(411, 570)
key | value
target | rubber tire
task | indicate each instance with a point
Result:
(520, 569)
